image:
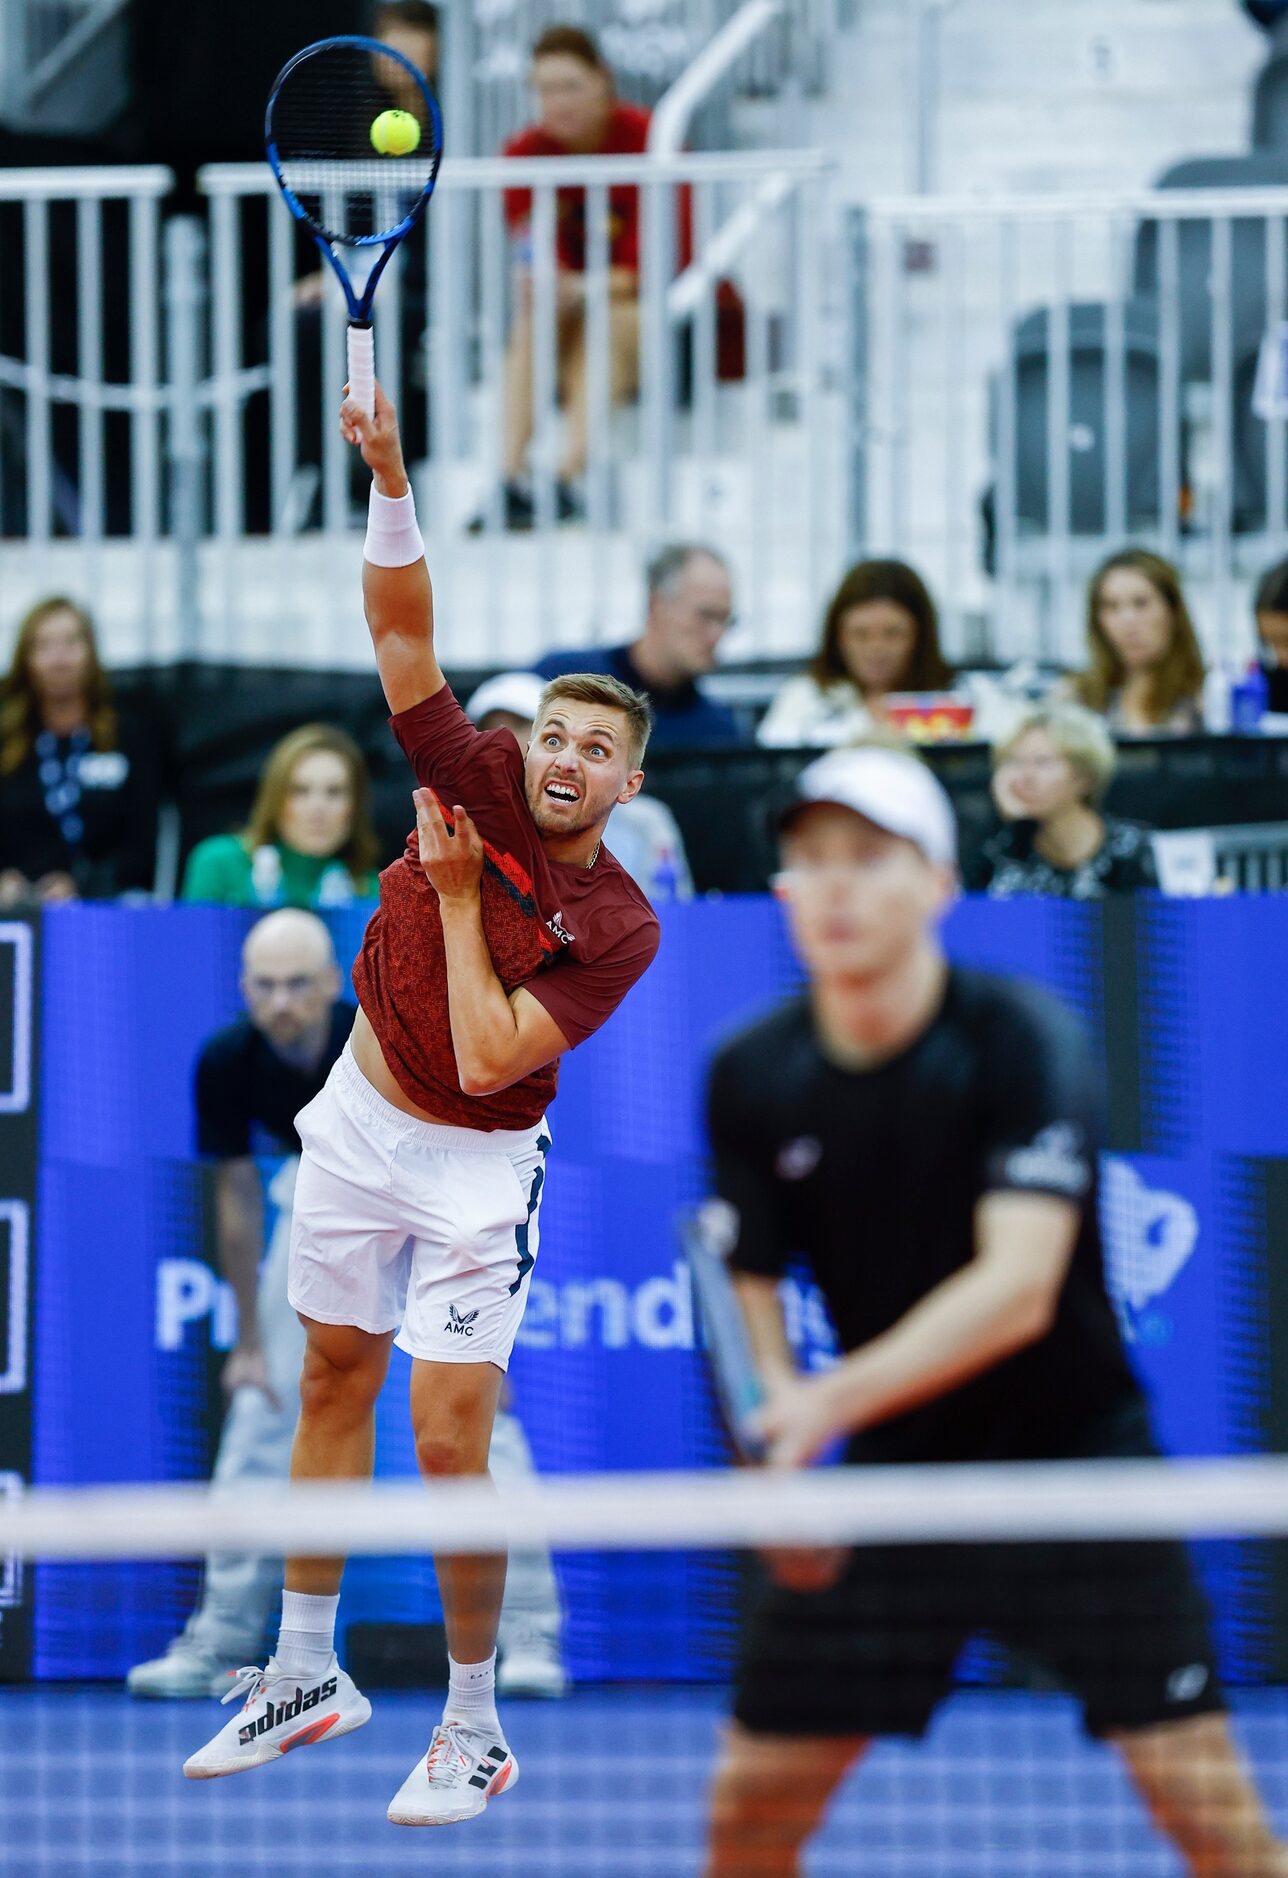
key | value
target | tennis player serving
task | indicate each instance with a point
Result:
(506, 934)
(926, 1137)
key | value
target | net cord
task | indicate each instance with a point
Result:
(1243, 1497)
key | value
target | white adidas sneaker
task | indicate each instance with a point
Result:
(281, 1712)
(464, 1769)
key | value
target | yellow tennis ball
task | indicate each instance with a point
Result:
(395, 133)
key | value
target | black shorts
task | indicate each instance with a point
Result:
(1122, 1625)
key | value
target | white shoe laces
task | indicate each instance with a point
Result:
(247, 1681)
(448, 1760)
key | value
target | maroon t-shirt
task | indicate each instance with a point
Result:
(577, 938)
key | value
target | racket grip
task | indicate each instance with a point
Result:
(362, 368)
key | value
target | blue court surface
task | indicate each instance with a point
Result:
(613, 1783)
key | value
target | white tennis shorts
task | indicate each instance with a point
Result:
(404, 1225)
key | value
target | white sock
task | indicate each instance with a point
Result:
(471, 1694)
(306, 1640)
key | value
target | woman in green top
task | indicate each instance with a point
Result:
(309, 841)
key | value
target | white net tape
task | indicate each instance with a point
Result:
(589, 1512)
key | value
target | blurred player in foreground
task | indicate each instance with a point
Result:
(505, 935)
(926, 1137)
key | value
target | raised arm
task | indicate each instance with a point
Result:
(396, 592)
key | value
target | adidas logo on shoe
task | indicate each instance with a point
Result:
(275, 1715)
(279, 1713)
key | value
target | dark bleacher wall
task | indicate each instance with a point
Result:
(219, 723)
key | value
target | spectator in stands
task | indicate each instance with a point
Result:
(409, 27)
(579, 114)
(1271, 607)
(309, 840)
(79, 775)
(1145, 670)
(1049, 776)
(880, 635)
(642, 834)
(690, 609)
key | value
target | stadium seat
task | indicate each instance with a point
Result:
(1086, 441)
(1257, 170)
(1270, 103)
(1248, 295)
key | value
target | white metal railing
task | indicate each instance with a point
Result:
(745, 463)
(85, 309)
(1249, 858)
(1051, 377)
(168, 447)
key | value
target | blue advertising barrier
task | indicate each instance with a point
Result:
(1186, 1003)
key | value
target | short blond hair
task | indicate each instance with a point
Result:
(1078, 734)
(612, 695)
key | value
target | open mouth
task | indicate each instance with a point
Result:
(561, 792)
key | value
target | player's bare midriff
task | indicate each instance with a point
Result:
(370, 1059)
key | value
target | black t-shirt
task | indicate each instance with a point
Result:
(872, 1178)
(248, 1096)
(1011, 864)
(91, 813)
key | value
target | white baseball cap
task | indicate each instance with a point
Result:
(894, 790)
(516, 693)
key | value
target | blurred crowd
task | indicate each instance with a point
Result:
(86, 774)
(83, 774)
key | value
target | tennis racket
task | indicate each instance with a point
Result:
(331, 110)
(733, 1367)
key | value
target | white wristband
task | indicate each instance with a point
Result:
(393, 539)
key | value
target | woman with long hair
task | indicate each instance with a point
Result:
(309, 840)
(1144, 672)
(79, 777)
(880, 635)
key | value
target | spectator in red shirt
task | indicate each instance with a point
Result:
(580, 115)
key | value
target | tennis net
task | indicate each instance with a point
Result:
(982, 1618)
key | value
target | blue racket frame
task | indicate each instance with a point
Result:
(359, 305)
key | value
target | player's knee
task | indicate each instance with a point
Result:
(444, 1450)
(751, 1816)
(333, 1382)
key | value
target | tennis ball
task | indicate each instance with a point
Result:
(395, 133)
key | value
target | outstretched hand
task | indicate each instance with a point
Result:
(378, 440)
(453, 862)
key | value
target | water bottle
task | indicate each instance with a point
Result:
(336, 886)
(1248, 700)
(1218, 688)
(666, 877)
(266, 876)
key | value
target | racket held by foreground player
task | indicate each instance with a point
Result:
(738, 1387)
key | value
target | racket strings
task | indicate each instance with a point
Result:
(320, 123)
